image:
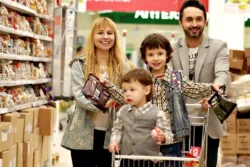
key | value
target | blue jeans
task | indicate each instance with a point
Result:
(172, 150)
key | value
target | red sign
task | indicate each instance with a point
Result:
(134, 5)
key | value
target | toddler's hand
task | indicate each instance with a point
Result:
(114, 147)
(158, 135)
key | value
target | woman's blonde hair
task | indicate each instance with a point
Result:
(116, 59)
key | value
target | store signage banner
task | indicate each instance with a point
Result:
(134, 5)
(239, 6)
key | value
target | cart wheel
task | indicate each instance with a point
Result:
(60, 126)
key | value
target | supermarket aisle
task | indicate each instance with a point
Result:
(65, 159)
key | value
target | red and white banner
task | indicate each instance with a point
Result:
(134, 5)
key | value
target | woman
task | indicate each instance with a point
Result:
(88, 132)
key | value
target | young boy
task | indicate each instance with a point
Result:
(156, 53)
(138, 118)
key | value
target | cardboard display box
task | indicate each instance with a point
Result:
(12, 118)
(236, 59)
(243, 126)
(36, 158)
(28, 151)
(5, 136)
(231, 122)
(243, 143)
(34, 112)
(37, 138)
(227, 144)
(20, 155)
(46, 121)
(20, 130)
(45, 150)
(5, 156)
(247, 54)
(28, 123)
(13, 155)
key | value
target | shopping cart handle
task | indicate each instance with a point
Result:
(195, 105)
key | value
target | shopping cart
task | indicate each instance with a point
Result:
(191, 156)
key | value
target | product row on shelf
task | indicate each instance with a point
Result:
(37, 8)
(12, 21)
(24, 46)
(14, 98)
(16, 70)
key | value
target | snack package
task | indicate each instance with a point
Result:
(13, 19)
(4, 43)
(33, 4)
(4, 14)
(38, 26)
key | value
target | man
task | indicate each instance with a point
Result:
(202, 59)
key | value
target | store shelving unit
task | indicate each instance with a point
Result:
(48, 42)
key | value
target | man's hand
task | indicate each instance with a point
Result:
(114, 147)
(216, 87)
(204, 104)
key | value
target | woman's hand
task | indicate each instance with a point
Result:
(114, 147)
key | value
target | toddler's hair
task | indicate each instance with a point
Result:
(142, 76)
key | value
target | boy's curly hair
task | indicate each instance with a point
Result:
(155, 41)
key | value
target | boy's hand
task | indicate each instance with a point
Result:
(216, 87)
(114, 147)
(105, 82)
(109, 104)
(204, 104)
(158, 135)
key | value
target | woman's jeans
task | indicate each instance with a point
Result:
(98, 157)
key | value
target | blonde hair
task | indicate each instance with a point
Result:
(116, 59)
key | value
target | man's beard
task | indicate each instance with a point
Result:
(190, 35)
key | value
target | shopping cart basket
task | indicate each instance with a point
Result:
(193, 157)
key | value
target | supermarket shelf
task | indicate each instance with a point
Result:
(41, 59)
(15, 57)
(42, 37)
(40, 103)
(45, 18)
(24, 58)
(18, 7)
(23, 106)
(16, 32)
(24, 33)
(24, 82)
(24, 9)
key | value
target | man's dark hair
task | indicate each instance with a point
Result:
(192, 3)
(155, 41)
